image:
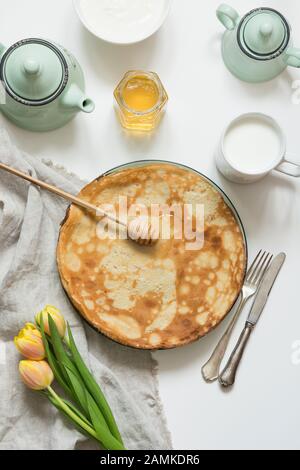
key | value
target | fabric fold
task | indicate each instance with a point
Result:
(29, 225)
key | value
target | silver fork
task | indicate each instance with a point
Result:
(255, 274)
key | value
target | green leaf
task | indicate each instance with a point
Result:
(76, 425)
(53, 363)
(75, 410)
(94, 388)
(58, 346)
(78, 388)
(69, 370)
(104, 435)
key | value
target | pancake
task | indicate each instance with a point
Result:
(158, 297)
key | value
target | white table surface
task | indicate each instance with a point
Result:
(262, 411)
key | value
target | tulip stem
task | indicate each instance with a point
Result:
(72, 415)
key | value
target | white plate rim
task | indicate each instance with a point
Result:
(76, 4)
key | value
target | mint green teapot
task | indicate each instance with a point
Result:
(258, 46)
(43, 85)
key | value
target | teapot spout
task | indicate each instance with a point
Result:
(76, 99)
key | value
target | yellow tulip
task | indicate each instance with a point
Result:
(56, 317)
(37, 375)
(30, 344)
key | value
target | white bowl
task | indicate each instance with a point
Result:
(111, 30)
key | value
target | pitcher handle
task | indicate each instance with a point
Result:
(228, 16)
(289, 167)
(293, 59)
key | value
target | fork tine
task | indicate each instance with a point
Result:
(257, 266)
(249, 272)
(263, 269)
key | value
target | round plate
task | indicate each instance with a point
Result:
(135, 32)
(159, 297)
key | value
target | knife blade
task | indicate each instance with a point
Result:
(227, 377)
(265, 289)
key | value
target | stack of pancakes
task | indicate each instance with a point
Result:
(156, 297)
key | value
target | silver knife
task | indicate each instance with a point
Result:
(227, 377)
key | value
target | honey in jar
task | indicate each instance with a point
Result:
(140, 98)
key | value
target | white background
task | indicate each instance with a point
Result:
(262, 411)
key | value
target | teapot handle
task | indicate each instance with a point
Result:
(2, 49)
(293, 59)
(228, 16)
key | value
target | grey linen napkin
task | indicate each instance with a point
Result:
(29, 225)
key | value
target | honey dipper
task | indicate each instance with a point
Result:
(139, 230)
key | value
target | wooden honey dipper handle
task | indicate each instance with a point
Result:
(59, 192)
(134, 229)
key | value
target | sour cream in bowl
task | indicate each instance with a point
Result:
(122, 21)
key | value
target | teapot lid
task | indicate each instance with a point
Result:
(34, 71)
(263, 33)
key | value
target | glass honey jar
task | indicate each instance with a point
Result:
(141, 99)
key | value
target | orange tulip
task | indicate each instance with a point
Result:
(56, 317)
(37, 375)
(29, 343)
